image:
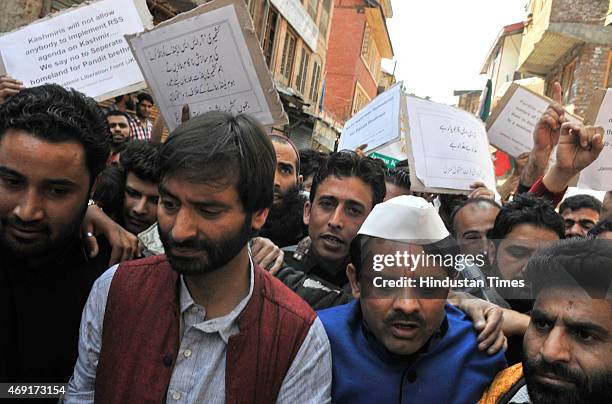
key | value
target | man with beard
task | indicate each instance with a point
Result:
(119, 126)
(53, 144)
(203, 323)
(284, 225)
(398, 341)
(567, 354)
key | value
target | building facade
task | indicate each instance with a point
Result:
(568, 41)
(293, 35)
(358, 40)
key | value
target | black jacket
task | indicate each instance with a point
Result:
(320, 288)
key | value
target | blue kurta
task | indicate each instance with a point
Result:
(452, 370)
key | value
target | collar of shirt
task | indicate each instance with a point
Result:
(226, 325)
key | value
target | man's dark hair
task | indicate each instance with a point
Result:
(285, 140)
(444, 247)
(398, 176)
(119, 98)
(140, 157)
(108, 191)
(601, 227)
(349, 164)
(56, 115)
(219, 147)
(448, 204)
(116, 112)
(581, 201)
(471, 201)
(310, 160)
(573, 262)
(145, 97)
(526, 209)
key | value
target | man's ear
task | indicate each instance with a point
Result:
(300, 179)
(351, 274)
(307, 207)
(259, 218)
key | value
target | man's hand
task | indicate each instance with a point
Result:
(578, 147)
(488, 320)
(521, 162)
(302, 248)
(547, 130)
(545, 137)
(480, 190)
(267, 254)
(360, 150)
(185, 113)
(124, 244)
(9, 86)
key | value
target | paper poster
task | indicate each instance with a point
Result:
(210, 59)
(82, 48)
(394, 152)
(510, 126)
(598, 175)
(376, 124)
(449, 146)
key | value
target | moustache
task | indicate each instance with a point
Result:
(398, 316)
(561, 371)
(191, 244)
(14, 221)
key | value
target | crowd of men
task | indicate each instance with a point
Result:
(226, 265)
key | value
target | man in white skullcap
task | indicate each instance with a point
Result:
(400, 341)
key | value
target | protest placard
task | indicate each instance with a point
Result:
(448, 148)
(510, 126)
(210, 59)
(598, 175)
(376, 124)
(81, 48)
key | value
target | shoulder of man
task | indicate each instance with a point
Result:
(461, 335)
(277, 293)
(317, 292)
(504, 385)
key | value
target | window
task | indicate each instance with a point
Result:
(369, 52)
(324, 18)
(270, 36)
(366, 45)
(361, 99)
(288, 56)
(251, 6)
(314, 82)
(567, 79)
(300, 81)
(312, 8)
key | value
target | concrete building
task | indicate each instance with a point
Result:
(358, 40)
(385, 80)
(567, 40)
(469, 100)
(501, 62)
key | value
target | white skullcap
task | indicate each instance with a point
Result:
(407, 219)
